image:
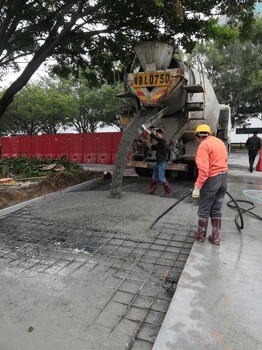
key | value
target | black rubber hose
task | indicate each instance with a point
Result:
(250, 212)
(172, 206)
(242, 210)
(239, 214)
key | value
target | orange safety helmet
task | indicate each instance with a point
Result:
(203, 130)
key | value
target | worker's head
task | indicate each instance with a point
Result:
(202, 131)
(255, 132)
(159, 133)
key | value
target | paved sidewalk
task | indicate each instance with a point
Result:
(217, 304)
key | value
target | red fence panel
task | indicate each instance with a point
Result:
(49, 146)
(6, 147)
(75, 146)
(62, 145)
(89, 148)
(116, 138)
(37, 149)
(104, 147)
(15, 146)
(24, 145)
(92, 148)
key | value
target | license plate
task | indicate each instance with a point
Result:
(151, 79)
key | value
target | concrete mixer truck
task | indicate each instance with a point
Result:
(177, 98)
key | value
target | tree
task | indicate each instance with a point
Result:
(82, 33)
(51, 105)
(22, 117)
(95, 106)
(42, 107)
(235, 69)
(58, 106)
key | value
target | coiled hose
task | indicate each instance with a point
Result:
(240, 211)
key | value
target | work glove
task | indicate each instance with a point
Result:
(196, 192)
(144, 128)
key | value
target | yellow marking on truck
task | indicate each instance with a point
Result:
(147, 96)
(158, 93)
(143, 94)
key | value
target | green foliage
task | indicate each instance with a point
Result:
(159, 3)
(234, 67)
(41, 107)
(95, 106)
(222, 34)
(23, 167)
(50, 106)
(94, 34)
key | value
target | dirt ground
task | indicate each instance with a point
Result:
(21, 191)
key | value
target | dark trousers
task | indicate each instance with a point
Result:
(212, 194)
(252, 153)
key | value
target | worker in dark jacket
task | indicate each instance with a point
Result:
(160, 167)
(211, 183)
(253, 145)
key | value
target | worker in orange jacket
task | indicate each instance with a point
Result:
(211, 183)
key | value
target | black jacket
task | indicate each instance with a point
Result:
(253, 143)
(160, 148)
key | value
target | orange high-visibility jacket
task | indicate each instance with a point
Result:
(211, 159)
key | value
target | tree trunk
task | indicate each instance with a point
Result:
(41, 55)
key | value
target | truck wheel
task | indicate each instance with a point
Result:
(144, 172)
(192, 170)
(191, 173)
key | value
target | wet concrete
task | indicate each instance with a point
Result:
(86, 272)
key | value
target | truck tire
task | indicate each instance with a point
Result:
(144, 172)
(192, 170)
(191, 173)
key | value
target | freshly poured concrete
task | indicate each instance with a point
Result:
(217, 304)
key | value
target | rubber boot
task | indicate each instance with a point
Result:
(216, 226)
(201, 232)
(167, 188)
(153, 187)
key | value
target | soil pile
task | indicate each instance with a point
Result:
(50, 179)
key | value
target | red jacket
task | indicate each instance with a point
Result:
(211, 159)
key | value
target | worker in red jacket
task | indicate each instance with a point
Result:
(211, 183)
